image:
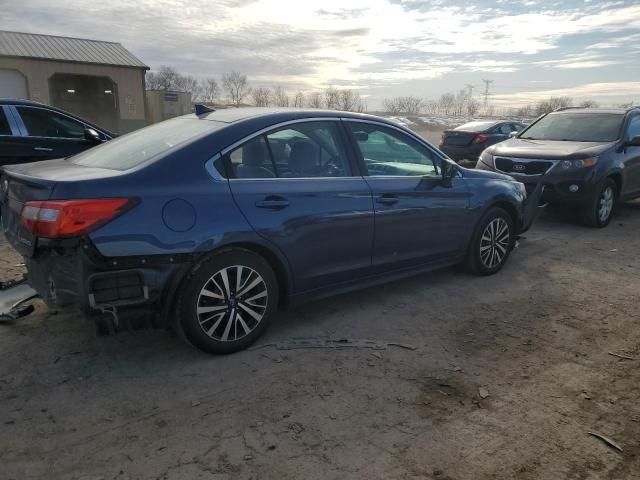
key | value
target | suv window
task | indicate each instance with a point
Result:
(577, 127)
(5, 129)
(633, 130)
(45, 123)
(517, 127)
(302, 150)
(387, 152)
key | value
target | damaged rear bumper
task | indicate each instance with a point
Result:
(75, 276)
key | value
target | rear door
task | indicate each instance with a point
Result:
(297, 188)
(48, 134)
(419, 220)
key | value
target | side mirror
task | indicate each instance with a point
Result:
(92, 136)
(449, 170)
(513, 134)
(634, 142)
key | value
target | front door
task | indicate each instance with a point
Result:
(632, 159)
(48, 134)
(418, 219)
(296, 187)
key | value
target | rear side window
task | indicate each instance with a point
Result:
(301, 150)
(45, 123)
(5, 129)
(138, 147)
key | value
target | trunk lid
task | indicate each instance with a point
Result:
(457, 138)
(31, 182)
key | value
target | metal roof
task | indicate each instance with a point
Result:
(48, 47)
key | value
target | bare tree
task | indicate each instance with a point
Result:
(589, 104)
(236, 86)
(261, 96)
(280, 97)
(525, 111)
(348, 100)
(446, 104)
(473, 106)
(331, 98)
(165, 78)
(298, 100)
(315, 100)
(209, 90)
(552, 104)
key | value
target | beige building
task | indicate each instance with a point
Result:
(100, 81)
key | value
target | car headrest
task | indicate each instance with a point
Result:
(302, 157)
(254, 154)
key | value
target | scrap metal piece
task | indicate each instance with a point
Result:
(12, 300)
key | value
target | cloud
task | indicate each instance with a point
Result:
(365, 43)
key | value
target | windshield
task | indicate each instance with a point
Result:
(137, 147)
(577, 127)
(475, 126)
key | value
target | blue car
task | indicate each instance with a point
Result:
(211, 222)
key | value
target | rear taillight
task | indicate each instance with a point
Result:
(480, 138)
(71, 218)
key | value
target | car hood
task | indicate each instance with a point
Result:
(472, 173)
(553, 149)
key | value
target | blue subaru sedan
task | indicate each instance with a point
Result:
(211, 222)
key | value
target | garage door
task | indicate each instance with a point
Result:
(12, 84)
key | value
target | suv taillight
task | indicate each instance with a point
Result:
(71, 218)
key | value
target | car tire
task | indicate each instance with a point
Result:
(227, 302)
(491, 243)
(598, 211)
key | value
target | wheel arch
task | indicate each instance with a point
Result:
(617, 178)
(508, 207)
(278, 264)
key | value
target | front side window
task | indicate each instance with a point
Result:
(5, 129)
(301, 150)
(577, 127)
(387, 152)
(633, 130)
(45, 123)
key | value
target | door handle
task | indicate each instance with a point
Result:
(388, 199)
(43, 149)
(274, 202)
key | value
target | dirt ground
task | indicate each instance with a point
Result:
(534, 341)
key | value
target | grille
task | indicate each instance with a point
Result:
(523, 167)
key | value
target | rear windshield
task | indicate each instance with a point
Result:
(577, 127)
(135, 148)
(475, 126)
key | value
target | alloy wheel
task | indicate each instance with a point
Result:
(605, 204)
(232, 303)
(494, 243)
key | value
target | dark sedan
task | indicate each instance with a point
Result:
(215, 220)
(467, 141)
(31, 131)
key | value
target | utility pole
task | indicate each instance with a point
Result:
(487, 84)
(470, 87)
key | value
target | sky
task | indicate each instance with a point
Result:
(382, 48)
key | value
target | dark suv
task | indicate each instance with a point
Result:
(586, 157)
(31, 131)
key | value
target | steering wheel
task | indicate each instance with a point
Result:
(333, 168)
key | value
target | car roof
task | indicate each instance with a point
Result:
(231, 115)
(31, 103)
(619, 111)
